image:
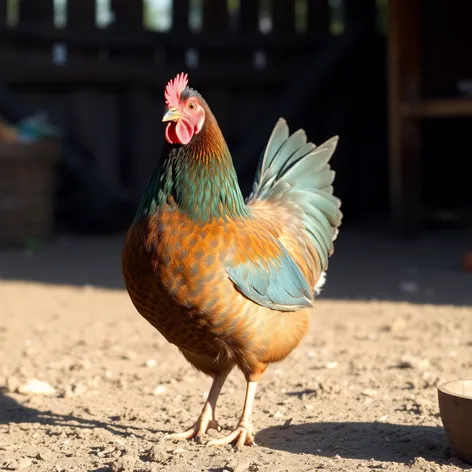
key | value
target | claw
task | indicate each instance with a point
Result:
(242, 435)
(196, 431)
(214, 425)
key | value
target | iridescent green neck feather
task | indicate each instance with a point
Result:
(200, 177)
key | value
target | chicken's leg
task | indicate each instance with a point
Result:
(207, 419)
(243, 433)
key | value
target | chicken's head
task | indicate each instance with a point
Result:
(185, 113)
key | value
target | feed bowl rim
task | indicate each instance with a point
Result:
(443, 388)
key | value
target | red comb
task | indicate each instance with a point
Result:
(174, 88)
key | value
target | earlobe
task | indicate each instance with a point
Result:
(200, 122)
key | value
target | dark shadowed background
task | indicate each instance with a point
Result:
(392, 79)
(81, 102)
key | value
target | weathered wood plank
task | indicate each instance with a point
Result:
(145, 136)
(283, 16)
(438, 108)
(37, 12)
(90, 71)
(249, 16)
(216, 20)
(318, 17)
(215, 16)
(361, 13)
(3, 12)
(404, 55)
(128, 16)
(136, 40)
(96, 126)
(81, 14)
(180, 11)
(81, 20)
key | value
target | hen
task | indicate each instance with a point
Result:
(230, 282)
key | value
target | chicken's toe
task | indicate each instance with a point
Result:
(196, 431)
(242, 435)
(187, 434)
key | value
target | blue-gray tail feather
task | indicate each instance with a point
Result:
(298, 171)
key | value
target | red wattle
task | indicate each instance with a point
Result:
(170, 133)
(180, 132)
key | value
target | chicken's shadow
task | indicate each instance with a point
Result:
(12, 411)
(378, 441)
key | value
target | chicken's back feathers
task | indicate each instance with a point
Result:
(293, 184)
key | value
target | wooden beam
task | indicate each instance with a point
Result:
(283, 16)
(84, 36)
(249, 16)
(90, 71)
(215, 16)
(216, 20)
(3, 12)
(404, 73)
(37, 12)
(128, 16)
(180, 15)
(360, 14)
(319, 17)
(81, 14)
(438, 108)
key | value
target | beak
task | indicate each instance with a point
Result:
(171, 115)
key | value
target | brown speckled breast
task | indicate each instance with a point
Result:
(173, 270)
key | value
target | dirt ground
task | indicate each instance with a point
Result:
(359, 394)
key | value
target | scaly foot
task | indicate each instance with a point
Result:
(207, 419)
(203, 424)
(243, 435)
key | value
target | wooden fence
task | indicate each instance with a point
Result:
(104, 85)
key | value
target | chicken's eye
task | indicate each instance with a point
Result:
(191, 105)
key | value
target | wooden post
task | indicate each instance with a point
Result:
(37, 12)
(319, 17)
(215, 16)
(283, 16)
(81, 14)
(3, 12)
(249, 16)
(81, 17)
(216, 23)
(360, 14)
(95, 125)
(248, 24)
(283, 25)
(143, 114)
(180, 11)
(404, 73)
(128, 16)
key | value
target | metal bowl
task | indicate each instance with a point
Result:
(455, 406)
